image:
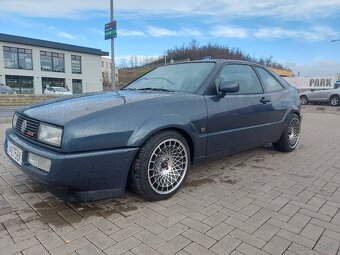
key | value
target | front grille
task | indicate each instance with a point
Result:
(32, 127)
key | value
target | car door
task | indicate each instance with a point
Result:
(235, 121)
(281, 99)
(324, 95)
(315, 95)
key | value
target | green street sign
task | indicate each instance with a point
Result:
(111, 30)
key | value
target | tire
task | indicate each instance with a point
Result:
(290, 136)
(303, 100)
(161, 166)
(334, 101)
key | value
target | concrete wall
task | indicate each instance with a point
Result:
(91, 75)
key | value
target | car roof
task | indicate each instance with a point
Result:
(3, 85)
(220, 62)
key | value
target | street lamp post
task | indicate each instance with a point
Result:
(113, 67)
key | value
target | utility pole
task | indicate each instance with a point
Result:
(337, 40)
(113, 67)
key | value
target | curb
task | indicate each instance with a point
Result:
(321, 109)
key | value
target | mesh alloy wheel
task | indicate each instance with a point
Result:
(293, 132)
(167, 166)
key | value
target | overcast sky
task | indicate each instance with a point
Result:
(297, 33)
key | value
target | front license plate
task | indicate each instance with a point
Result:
(14, 152)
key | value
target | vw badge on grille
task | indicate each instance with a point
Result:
(23, 126)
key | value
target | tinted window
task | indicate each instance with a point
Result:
(18, 58)
(51, 61)
(244, 75)
(20, 84)
(76, 64)
(269, 82)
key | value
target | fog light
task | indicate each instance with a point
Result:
(39, 162)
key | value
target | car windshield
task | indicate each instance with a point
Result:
(186, 77)
(60, 89)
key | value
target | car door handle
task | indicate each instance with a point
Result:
(265, 100)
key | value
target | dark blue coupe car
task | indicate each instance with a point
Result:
(147, 134)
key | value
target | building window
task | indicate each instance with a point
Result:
(52, 82)
(76, 64)
(20, 84)
(52, 61)
(77, 86)
(18, 58)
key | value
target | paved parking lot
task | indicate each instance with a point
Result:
(256, 202)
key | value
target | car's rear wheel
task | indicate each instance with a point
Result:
(290, 136)
(160, 166)
(334, 101)
(303, 100)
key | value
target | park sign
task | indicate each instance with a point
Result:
(312, 82)
(111, 30)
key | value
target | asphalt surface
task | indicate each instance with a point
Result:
(7, 111)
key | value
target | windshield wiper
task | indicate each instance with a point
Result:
(128, 89)
(156, 89)
(156, 78)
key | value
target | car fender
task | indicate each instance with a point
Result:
(161, 122)
(333, 94)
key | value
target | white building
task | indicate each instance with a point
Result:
(106, 72)
(29, 65)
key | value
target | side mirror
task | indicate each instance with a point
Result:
(228, 87)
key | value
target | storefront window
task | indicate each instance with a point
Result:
(18, 58)
(51, 61)
(52, 82)
(76, 64)
(20, 84)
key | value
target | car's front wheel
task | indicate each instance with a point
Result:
(290, 136)
(334, 101)
(303, 100)
(160, 166)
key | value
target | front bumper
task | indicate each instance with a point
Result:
(84, 176)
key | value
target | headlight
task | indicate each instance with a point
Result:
(50, 134)
(14, 120)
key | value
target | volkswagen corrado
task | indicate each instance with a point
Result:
(146, 135)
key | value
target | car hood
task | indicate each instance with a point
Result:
(63, 110)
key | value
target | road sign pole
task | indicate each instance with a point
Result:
(113, 67)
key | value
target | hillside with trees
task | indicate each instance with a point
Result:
(192, 51)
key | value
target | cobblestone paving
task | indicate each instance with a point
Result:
(255, 202)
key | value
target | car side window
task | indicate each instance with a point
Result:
(269, 82)
(244, 75)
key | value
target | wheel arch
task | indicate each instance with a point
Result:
(167, 122)
(334, 95)
(179, 130)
